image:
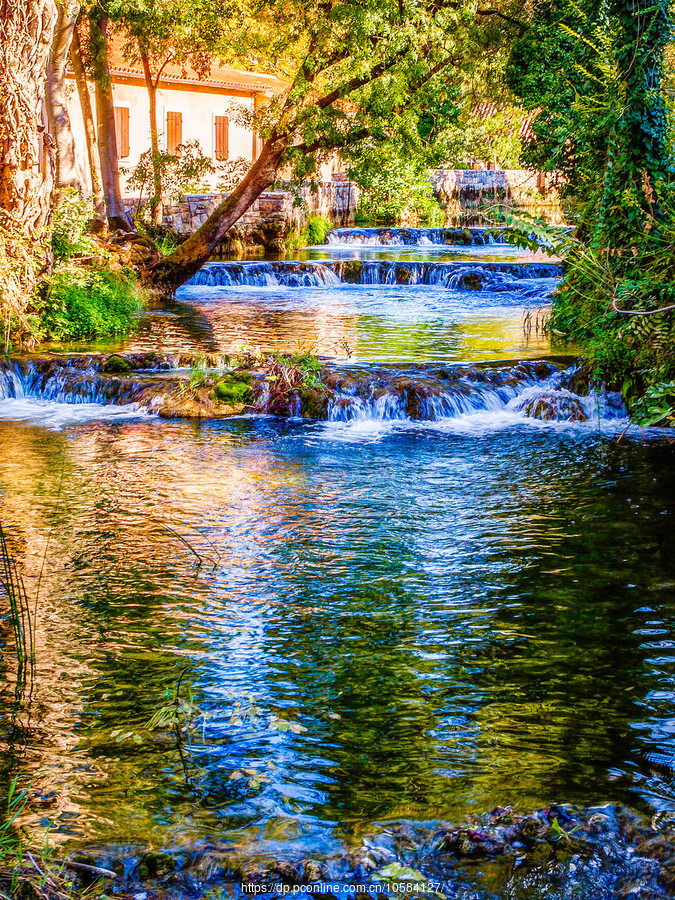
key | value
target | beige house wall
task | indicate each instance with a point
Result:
(198, 108)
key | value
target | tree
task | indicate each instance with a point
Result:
(26, 30)
(96, 177)
(352, 66)
(118, 217)
(55, 96)
(162, 32)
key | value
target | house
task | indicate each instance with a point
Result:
(188, 108)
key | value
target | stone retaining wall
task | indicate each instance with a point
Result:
(269, 221)
(468, 194)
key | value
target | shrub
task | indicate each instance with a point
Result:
(317, 228)
(71, 218)
(89, 303)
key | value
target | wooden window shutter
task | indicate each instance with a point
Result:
(222, 137)
(122, 130)
(174, 130)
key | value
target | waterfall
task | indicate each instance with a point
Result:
(537, 390)
(265, 274)
(406, 237)
(454, 275)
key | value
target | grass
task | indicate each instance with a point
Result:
(89, 303)
(20, 614)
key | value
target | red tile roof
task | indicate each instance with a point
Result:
(220, 75)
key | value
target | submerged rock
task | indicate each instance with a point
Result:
(554, 406)
(558, 852)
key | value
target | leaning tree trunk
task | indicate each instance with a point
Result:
(175, 269)
(105, 117)
(89, 130)
(26, 29)
(156, 199)
(55, 97)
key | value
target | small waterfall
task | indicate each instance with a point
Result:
(426, 392)
(267, 274)
(406, 237)
(70, 381)
(453, 275)
(294, 273)
(529, 390)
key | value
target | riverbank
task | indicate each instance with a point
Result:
(602, 853)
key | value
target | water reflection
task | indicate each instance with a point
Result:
(457, 622)
(379, 323)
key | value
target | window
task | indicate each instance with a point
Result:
(122, 130)
(222, 137)
(174, 130)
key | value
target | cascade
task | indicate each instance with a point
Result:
(295, 273)
(406, 237)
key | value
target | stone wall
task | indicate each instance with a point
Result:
(468, 194)
(269, 221)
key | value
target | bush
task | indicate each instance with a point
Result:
(71, 218)
(89, 303)
(317, 228)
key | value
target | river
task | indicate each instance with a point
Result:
(373, 619)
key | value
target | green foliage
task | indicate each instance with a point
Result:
(199, 372)
(554, 68)
(88, 303)
(604, 124)
(230, 173)
(620, 317)
(70, 221)
(657, 406)
(317, 229)
(394, 190)
(595, 72)
(182, 172)
(495, 138)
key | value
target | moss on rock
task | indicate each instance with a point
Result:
(235, 388)
(116, 364)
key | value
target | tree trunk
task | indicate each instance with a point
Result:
(156, 199)
(26, 30)
(55, 97)
(105, 119)
(89, 127)
(175, 269)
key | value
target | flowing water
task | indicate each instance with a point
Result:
(386, 616)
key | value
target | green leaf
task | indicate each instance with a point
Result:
(397, 872)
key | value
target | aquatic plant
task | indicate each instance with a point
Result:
(294, 379)
(317, 229)
(20, 613)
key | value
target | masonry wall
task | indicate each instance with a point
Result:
(268, 222)
(468, 195)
